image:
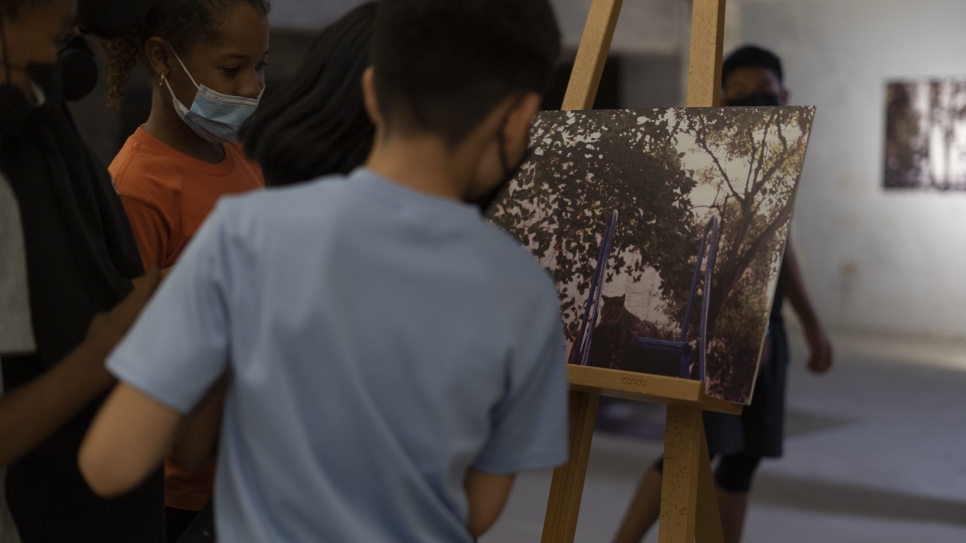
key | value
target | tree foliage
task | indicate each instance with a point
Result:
(657, 168)
(561, 202)
(757, 199)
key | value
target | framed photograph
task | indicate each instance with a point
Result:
(664, 231)
(926, 135)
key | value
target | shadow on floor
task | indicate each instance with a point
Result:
(644, 420)
(850, 500)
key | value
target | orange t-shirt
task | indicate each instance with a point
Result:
(167, 196)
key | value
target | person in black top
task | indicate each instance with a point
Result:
(751, 76)
(80, 261)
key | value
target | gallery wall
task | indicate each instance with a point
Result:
(875, 260)
(648, 26)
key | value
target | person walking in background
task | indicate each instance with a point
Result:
(751, 76)
(207, 60)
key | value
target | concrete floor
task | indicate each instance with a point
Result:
(876, 453)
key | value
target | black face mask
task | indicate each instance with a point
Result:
(77, 67)
(760, 99)
(15, 107)
(48, 78)
(509, 173)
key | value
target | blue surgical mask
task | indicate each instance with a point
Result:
(214, 116)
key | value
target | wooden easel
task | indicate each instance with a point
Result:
(689, 507)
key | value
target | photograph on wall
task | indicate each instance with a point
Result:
(926, 135)
(664, 231)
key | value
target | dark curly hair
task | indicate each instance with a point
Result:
(182, 23)
(316, 124)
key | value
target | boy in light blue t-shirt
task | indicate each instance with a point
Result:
(392, 360)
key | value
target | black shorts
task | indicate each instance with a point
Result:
(759, 430)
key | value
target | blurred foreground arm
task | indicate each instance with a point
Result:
(36, 410)
(820, 358)
(127, 441)
(487, 494)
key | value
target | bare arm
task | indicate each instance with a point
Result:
(198, 444)
(127, 441)
(487, 494)
(33, 412)
(820, 359)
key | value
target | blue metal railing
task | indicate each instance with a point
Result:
(582, 346)
(666, 357)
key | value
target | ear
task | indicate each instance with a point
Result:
(785, 96)
(158, 56)
(370, 97)
(520, 120)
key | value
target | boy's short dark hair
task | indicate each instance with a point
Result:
(751, 56)
(443, 65)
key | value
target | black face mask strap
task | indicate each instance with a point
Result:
(508, 172)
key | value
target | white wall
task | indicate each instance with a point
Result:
(877, 260)
(309, 14)
(645, 26)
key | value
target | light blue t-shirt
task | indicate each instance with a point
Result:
(380, 342)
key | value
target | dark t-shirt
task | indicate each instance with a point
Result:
(780, 291)
(759, 430)
(81, 257)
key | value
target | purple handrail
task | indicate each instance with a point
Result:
(584, 336)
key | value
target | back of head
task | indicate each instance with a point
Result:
(442, 65)
(752, 56)
(317, 125)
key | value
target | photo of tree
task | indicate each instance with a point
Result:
(627, 208)
(926, 135)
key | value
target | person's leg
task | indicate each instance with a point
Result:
(644, 509)
(733, 480)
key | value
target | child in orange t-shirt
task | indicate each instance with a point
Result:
(207, 60)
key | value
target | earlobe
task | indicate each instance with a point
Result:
(370, 96)
(157, 55)
(521, 119)
(786, 96)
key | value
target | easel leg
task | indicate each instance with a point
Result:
(567, 488)
(689, 504)
(679, 487)
(592, 54)
(708, 529)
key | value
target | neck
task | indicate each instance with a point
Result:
(424, 163)
(165, 124)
